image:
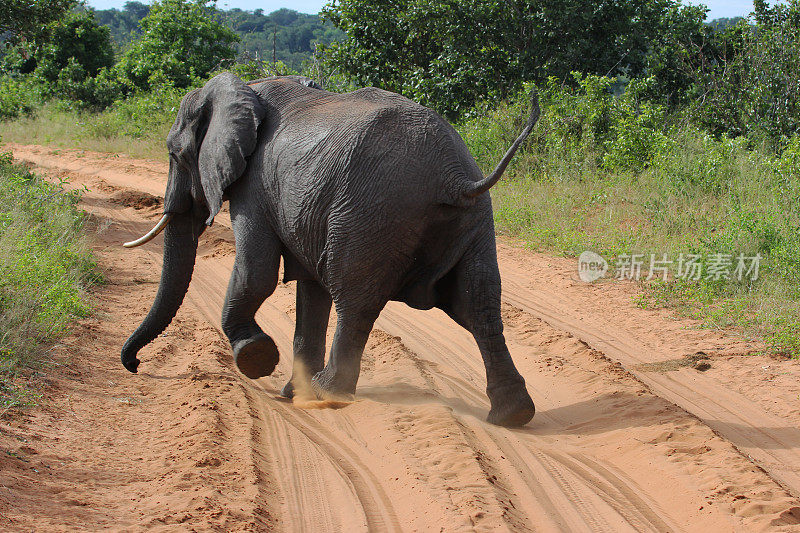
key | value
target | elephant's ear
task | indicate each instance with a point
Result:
(234, 113)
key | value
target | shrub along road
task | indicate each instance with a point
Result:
(628, 436)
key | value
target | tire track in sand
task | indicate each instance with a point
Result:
(368, 497)
(551, 482)
(598, 439)
(772, 442)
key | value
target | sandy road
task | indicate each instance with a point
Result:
(624, 439)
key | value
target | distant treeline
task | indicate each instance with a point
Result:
(291, 35)
(286, 34)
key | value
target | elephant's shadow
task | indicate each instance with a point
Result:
(588, 417)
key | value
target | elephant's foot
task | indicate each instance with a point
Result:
(288, 390)
(300, 384)
(256, 357)
(328, 386)
(512, 406)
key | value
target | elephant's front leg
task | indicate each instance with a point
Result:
(253, 280)
(313, 313)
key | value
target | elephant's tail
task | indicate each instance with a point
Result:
(479, 187)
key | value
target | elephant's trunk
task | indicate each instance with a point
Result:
(180, 251)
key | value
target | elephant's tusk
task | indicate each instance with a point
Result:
(150, 234)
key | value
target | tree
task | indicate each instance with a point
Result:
(75, 37)
(137, 10)
(685, 47)
(451, 54)
(124, 24)
(296, 34)
(24, 19)
(64, 59)
(754, 88)
(181, 42)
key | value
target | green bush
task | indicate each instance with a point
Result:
(76, 39)
(748, 85)
(45, 268)
(181, 44)
(583, 128)
(69, 60)
(691, 161)
(75, 86)
(23, 20)
(619, 175)
(451, 55)
(137, 116)
(19, 96)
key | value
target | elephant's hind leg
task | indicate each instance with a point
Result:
(253, 280)
(313, 313)
(475, 305)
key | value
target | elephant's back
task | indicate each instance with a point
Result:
(393, 144)
(367, 174)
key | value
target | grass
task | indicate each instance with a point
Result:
(45, 269)
(137, 126)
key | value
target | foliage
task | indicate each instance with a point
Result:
(686, 46)
(294, 35)
(584, 129)
(76, 87)
(290, 35)
(181, 43)
(44, 271)
(743, 81)
(76, 38)
(123, 23)
(19, 96)
(23, 19)
(70, 59)
(618, 175)
(418, 47)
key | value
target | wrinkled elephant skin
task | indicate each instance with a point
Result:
(367, 196)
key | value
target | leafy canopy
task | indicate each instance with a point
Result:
(450, 55)
(75, 36)
(755, 91)
(123, 23)
(62, 60)
(24, 19)
(181, 41)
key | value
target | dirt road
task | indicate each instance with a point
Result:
(627, 435)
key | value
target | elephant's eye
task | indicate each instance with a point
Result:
(173, 158)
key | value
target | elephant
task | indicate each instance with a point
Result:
(367, 197)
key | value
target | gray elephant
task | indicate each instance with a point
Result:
(367, 196)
